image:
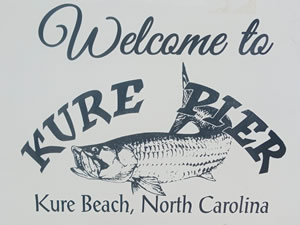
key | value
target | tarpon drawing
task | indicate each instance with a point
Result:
(147, 160)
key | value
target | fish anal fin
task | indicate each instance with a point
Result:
(208, 176)
(150, 184)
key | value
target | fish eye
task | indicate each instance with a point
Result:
(95, 150)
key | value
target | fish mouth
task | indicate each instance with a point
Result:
(87, 165)
(76, 153)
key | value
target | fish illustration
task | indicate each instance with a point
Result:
(147, 160)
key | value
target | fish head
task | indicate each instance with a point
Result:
(100, 162)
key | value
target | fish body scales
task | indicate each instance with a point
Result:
(176, 158)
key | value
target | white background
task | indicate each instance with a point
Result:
(36, 81)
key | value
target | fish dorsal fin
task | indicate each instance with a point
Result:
(186, 93)
(185, 79)
(182, 119)
(208, 176)
(150, 184)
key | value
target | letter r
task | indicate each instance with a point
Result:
(194, 99)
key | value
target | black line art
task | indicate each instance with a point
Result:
(148, 160)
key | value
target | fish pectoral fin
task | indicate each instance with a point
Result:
(134, 187)
(208, 176)
(150, 184)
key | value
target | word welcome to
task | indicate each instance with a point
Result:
(145, 42)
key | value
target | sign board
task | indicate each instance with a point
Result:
(150, 112)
